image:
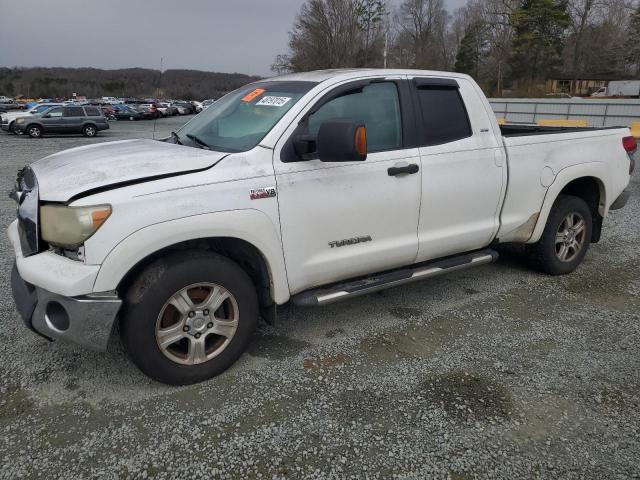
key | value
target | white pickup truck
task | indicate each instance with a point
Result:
(309, 188)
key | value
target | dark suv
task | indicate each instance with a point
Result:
(87, 120)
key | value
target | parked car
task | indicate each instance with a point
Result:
(184, 108)
(167, 110)
(125, 112)
(310, 188)
(208, 102)
(148, 111)
(109, 112)
(64, 119)
(7, 120)
(11, 107)
(197, 106)
(4, 99)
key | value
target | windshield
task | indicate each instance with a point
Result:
(39, 108)
(238, 121)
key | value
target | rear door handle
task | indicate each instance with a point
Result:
(399, 170)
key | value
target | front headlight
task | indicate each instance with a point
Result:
(70, 226)
(20, 120)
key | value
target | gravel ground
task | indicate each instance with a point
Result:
(495, 372)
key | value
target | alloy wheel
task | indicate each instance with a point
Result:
(197, 323)
(570, 237)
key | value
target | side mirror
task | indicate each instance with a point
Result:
(341, 141)
(47, 116)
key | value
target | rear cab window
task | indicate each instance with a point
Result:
(444, 115)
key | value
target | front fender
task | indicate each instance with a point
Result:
(597, 170)
(249, 225)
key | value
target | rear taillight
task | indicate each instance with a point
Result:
(629, 144)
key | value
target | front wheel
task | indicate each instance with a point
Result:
(565, 239)
(34, 131)
(189, 317)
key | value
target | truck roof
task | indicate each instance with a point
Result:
(346, 73)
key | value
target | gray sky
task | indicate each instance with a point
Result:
(217, 35)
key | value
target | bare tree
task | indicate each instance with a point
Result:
(582, 13)
(422, 27)
(335, 34)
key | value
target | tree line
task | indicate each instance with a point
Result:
(131, 82)
(507, 45)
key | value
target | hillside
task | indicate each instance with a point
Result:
(92, 82)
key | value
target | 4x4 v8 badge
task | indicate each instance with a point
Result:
(262, 192)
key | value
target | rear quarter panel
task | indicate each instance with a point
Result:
(540, 166)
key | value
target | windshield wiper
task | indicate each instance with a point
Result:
(175, 138)
(198, 142)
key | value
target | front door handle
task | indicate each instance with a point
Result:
(399, 170)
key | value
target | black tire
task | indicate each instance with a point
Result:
(89, 130)
(545, 255)
(148, 297)
(12, 127)
(34, 131)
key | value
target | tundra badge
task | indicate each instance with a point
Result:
(350, 241)
(262, 192)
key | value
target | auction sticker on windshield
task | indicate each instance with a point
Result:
(253, 94)
(273, 101)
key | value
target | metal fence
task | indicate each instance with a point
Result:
(597, 113)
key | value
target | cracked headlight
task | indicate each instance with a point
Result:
(70, 226)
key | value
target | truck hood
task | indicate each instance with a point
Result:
(71, 173)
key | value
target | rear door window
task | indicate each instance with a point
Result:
(444, 115)
(92, 111)
(73, 112)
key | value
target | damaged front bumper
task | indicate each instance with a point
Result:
(50, 293)
(86, 320)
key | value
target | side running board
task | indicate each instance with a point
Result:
(393, 278)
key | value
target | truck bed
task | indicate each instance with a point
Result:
(525, 130)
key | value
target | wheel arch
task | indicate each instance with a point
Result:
(246, 255)
(33, 124)
(246, 236)
(584, 181)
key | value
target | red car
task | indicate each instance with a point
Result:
(108, 112)
(148, 110)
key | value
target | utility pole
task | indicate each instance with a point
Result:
(386, 44)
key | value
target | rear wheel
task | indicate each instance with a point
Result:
(565, 239)
(34, 131)
(89, 131)
(189, 317)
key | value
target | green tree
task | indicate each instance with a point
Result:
(10, 89)
(539, 27)
(370, 14)
(472, 48)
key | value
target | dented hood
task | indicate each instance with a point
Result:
(71, 173)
